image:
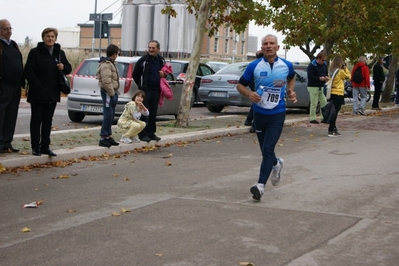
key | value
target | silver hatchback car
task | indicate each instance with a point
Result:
(85, 97)
(219, 90)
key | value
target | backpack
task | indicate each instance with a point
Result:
(329, 84)
(357, 75)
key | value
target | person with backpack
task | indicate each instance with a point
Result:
(379, 78)
(360, 84)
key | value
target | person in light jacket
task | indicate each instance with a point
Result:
(130, 118)
(108, 81)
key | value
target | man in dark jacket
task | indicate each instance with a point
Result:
(379, 78)
(397, 87)
(147, 74)
(317, 78)
(11, 81)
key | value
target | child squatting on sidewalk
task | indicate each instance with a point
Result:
(130, 119)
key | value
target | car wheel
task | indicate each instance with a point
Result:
(76, 117)
(214, 108)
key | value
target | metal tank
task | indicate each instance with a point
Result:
(161, 28)
(189, 33)
(137, 2)
(145, 24)
(129, 29)
(176, 34)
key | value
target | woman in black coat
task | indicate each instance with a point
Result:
(42, 73)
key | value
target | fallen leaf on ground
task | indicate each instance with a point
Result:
(25, 230)
(125, 210)
(2, 168)
(116, 214)
(168, 163)
(71, 210)
(115, 175)
(63, 177)
(126, 179)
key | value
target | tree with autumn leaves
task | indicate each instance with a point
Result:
(346, 27)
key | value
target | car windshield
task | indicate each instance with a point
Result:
(177, 67)
(233, 69)
(217, 66)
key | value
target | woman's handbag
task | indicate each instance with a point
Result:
(65, 88)
(329, 84)
(328, 112)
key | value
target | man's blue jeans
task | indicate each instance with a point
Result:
(268, 129)
(109, 105)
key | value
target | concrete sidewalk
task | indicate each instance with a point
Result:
(84, 142)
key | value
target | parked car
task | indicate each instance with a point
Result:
(180, 70)
(216, 66)
(219, 90)
(85, 96)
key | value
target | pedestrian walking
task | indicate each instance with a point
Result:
(274, 78)
(11, 82)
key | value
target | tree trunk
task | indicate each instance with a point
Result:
(390, 82)
(185, 101)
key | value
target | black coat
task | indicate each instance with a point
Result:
(42, 73)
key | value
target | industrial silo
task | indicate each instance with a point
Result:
(129, 29)
(145, 24)
(189, 33)
(161, 28)
(176, 34)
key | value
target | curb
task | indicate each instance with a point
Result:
(86, 151)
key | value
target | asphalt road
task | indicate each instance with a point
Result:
(189, 203)
(61, 120)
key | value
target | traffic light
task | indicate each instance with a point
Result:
(104, 29)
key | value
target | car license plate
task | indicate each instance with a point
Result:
(220, 94)
(92, 108)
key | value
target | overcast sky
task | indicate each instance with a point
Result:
(30, 17)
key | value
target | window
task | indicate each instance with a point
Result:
(242, 47)
(226, 46)
(226, 31)
(215, 45)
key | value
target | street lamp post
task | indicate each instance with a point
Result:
(286, 48)
(94, 37)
